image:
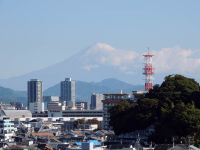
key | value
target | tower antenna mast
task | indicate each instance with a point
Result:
(148, 71)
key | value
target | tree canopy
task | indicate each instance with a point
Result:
(173, 108)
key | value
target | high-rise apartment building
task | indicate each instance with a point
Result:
(67, 92)
(35, 101)
(96, 101)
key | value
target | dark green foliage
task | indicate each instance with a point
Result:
(121, 116)
(173, 108)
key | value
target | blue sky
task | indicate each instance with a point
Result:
(35, 34)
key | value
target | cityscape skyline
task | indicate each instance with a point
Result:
(135, 70)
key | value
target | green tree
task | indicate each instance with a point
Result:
(120, 117)
(173, 108)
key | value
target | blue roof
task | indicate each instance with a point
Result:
(95, 142)
(78, 143)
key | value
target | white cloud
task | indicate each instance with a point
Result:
(106, 55)
(177, 60)
(174, 60)
(89, 67)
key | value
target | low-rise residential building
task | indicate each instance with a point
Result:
(6, 130)
(86, 146)
(109, 101)
(6, 106)
(18, 105)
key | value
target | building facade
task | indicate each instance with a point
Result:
(18, 105)
(6, 106)
(96, 102)
(86, 105)
(67, 92)
(36, 107)
(50, 98)
(109, 101)
(79, 106)
(7, 130)
(83, 113)
(138, 95)
(55, 109)
(47, 99)
(35, 99)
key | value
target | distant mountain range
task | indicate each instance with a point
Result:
(83, 90)
(8, 95)
(98, 62)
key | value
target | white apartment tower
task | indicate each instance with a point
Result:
(67, 92)
(35, 100)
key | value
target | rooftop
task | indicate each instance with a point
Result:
(17, 113)
(112, 101)
(116, 94)
(44, 134)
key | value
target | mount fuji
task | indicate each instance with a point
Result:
(96, 63)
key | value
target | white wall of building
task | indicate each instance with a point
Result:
(36, 107)
(55, 109)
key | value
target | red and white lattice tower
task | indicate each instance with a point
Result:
(148, 71)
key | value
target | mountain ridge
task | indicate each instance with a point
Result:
(83, 90)
(97, 62)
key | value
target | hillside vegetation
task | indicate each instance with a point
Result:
(173, 108)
